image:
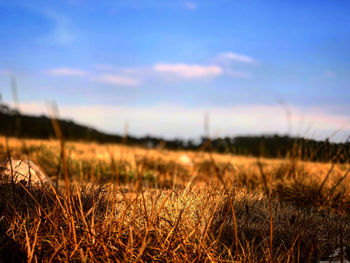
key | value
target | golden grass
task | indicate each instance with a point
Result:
(139, 205)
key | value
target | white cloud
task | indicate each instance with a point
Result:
(134, 76)
(188, 70)
(116, 80)
(182, 70)
(228, 57)
(66, 72)
(190, 5)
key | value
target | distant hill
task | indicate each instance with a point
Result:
(13, 123)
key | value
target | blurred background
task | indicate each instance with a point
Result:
(182, 69)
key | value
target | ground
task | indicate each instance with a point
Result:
(117, 203)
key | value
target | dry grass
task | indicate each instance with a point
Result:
(137, 205)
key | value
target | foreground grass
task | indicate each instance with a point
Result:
(131, 204)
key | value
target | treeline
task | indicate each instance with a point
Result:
(276, 146)
(13, 123)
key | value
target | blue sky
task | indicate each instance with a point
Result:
(161, 65)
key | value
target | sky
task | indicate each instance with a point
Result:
(159, 67)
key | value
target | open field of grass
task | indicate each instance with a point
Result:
(114, 203)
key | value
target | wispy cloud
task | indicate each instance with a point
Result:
(66, 72)
(227, 61)
(109, 78)
(189, 70)
(62, 29)
(180, 70)
(134, 76)
(116, 80)
(228, 57)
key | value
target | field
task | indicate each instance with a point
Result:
(113, 203)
